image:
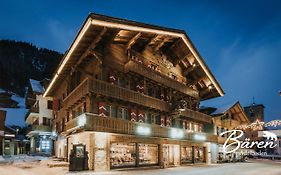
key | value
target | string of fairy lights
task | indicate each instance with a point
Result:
(257, 125)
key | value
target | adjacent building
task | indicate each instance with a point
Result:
(226, 118)
(39, 118)
(11, 142)
(255, 113)
(127, 94)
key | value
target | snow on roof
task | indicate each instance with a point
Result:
(36, 86)
(222, 109)
(16, 116)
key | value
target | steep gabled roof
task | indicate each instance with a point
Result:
(101, 26)
(36, 86)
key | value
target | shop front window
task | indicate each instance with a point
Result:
(186, 154)
(198, 154)
(122, 155)
(148, 154)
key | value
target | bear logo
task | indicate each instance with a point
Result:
(269, 135)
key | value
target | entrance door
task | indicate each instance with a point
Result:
(171, 154)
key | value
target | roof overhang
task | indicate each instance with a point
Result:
(116, 23)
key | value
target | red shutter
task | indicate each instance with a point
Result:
(55, 104)
(133, 115)
(140, 116)
(140, 86)
(112, 78)
(102, 109)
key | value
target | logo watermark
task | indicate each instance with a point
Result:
(234, 143)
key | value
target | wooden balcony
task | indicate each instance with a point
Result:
(77, 94)
(107, 89)
(195, 115)
(35, 129)
(140, 69)
(92, 122)
(103, 88)
(230, 123)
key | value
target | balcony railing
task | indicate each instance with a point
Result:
(93, 122)
(158, 77)
(35, 108)
(107, 89)
(103, 88)
(38, 128)
(230, 123)
(195, 115)
(78, 93)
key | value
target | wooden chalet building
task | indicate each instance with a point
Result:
(226, 118)
(128, 93)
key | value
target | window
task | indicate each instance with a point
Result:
(46, 121)
(45, 144)
(153, 119)
(122, 154)
(107, 112)
(158, 120)
(50, 104)
(148, 118)
(113, 111)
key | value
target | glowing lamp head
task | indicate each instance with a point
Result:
(82, 120)
(143, 130)
(176, 133)
(199, 137)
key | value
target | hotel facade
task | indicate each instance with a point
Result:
(127, 94)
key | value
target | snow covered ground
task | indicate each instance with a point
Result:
(27, 165)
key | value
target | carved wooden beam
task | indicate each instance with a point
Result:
(195, 81)
(150, 41)
(133, 40)
(92, 46)
(189, 69)
(161, 44)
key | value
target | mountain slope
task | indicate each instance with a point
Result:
(20, 61)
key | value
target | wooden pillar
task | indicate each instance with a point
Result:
(161, 156)
(193, 155)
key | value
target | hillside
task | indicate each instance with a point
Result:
(20, 61)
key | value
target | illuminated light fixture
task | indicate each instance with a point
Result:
(210, 87)
(199, 137)
(82, 120)
(194, 65)
(176, 133)
(143, 130)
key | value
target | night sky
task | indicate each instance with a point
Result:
(239, 40)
